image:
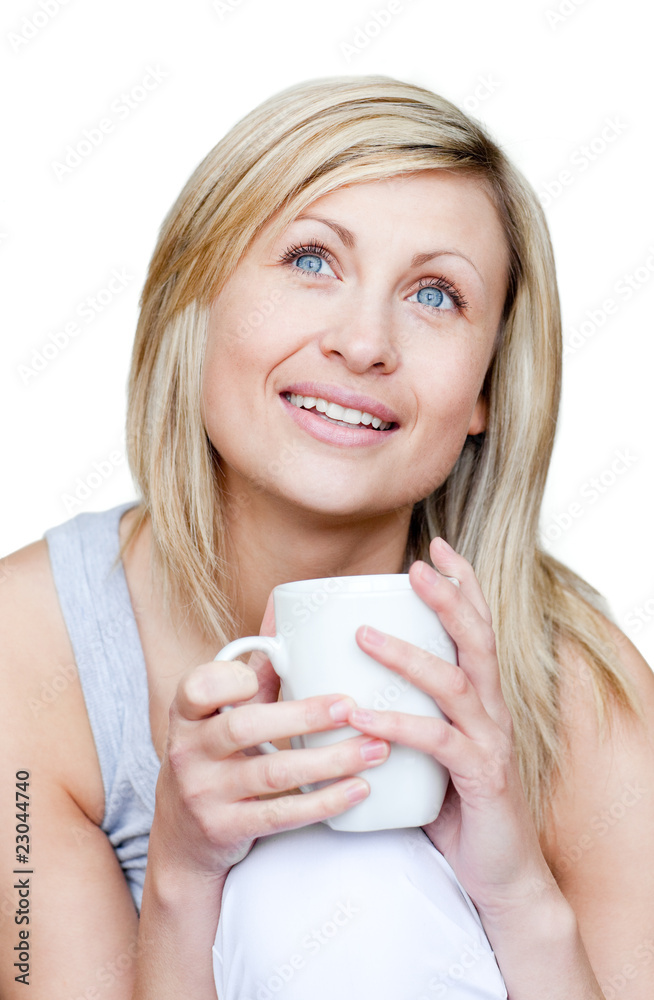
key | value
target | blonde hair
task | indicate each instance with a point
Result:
(295, 147)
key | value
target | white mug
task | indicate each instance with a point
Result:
(315, 652)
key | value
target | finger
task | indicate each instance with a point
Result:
(209, 686)
(289, 812)
(268, 680)
(289, 769)
(268, 626)
(450, 563)
(249, 725)
(478, 770)
(268, 689)
(473, 634)
(447, 683)
(469, 763)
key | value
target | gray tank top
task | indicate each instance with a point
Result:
(100, 620)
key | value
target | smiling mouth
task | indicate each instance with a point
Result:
(334, 413)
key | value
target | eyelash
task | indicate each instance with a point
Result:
(457, 298)
(293, 252)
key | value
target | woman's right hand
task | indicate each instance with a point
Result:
(208, 813)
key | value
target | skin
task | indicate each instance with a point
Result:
(318, 508)
(348, 509)
(327, 509)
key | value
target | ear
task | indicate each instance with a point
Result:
(479, 416)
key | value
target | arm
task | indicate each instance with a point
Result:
(599, 847)
(600, 843)
(85, 940)
(485, 829)
(208, 813)
(82, 921)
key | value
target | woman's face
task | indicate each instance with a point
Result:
(380, 302)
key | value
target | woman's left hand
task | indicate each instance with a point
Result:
(485, 829)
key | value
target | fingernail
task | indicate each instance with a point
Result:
(356, 790)
(374, 750)
(428, 575)
(340, 710)
(444, 545)
(374, 637)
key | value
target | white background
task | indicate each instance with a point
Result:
(545, 78)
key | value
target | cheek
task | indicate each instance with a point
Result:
(448, 389)
(446, 404)
(234, 341)
(222, 377)
(254, 327)
(248, 337)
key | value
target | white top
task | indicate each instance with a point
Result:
(317, 913)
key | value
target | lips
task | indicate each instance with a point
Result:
(335, 413)
(345, 398)
(366, 421)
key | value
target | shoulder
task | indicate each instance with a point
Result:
(51, 775)
(39, 686)
(30, 617)
(28, 596)
(578, 711)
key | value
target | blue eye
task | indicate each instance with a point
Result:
(310, 258)
(430, 296)
(313, 264)
(436, 298)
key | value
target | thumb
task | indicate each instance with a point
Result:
(266, 676)
(268, 620)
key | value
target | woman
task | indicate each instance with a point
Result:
(348, 356)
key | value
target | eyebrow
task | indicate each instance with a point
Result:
(345, 236)
(349, 240)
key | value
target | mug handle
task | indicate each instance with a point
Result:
(271, 645)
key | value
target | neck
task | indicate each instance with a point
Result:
(271, 542)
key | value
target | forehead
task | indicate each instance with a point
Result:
(438, 206)
(435, 183)
(434, 197)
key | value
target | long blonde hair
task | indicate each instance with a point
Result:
(297, 146)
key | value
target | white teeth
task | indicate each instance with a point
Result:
(345, 416)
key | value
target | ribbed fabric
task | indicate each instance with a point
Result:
(310, 913)
(100, 620)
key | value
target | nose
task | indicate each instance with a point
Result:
(363, 338)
